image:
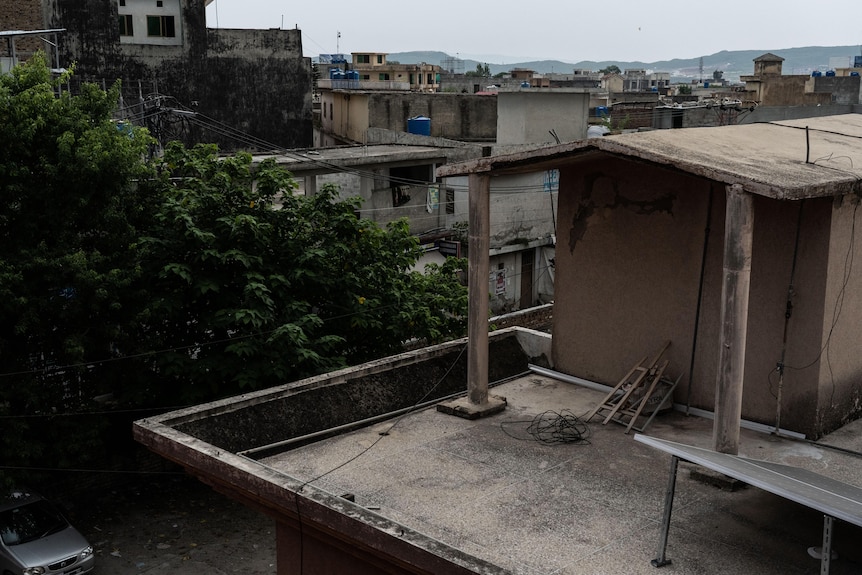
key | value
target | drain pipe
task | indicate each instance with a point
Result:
(699, 301)
(787, 313)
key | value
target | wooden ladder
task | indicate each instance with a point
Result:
(617, 401)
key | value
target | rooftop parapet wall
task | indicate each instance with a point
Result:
(350, 395)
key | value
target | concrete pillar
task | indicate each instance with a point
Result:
(738, 233)
(310, 186)
(479, 242)
(478, 402)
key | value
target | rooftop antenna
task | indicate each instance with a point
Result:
(337, 42)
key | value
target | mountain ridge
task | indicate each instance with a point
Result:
(732, 63)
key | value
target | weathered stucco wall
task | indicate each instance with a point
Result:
(840, 366)
(790, 91)
(629, 254)
(254, 81)
(843, 89)
(528, 115)
(456, 116)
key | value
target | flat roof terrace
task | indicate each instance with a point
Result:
(347, 466)
(487, 487)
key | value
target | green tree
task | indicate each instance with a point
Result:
(179, 279)
(612, 69)
(481, 71)
(256, 285)
(69, 215)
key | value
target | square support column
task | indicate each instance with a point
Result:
(478, 402)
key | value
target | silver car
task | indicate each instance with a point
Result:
(37, 539)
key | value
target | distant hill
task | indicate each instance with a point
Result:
(732, 63)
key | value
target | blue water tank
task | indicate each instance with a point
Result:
(854, 73)
(816, 74)
(830, 73)
(419, 125)
(601, 111)
(706, 84)
(352, 75)
(525, 84)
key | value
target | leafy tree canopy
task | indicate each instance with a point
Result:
(179, 279)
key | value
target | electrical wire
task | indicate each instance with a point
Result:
(380, 437)
(551, 428)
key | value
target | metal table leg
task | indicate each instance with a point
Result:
(661, 560)
(827, 545)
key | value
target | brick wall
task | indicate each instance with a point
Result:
(21, 15)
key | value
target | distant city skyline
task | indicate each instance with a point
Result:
(626, 30)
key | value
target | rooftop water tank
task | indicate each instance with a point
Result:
(830, 73)
(419, 125)
(816, 74)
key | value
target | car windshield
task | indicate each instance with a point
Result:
(29, 522)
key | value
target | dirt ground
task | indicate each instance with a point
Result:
(175, 525)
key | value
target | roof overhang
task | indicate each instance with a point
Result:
(789, 160)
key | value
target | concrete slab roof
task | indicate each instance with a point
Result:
(489, 488)
(488, 496)
(328, 160)
(789, 160)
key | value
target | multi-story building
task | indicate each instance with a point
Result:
(238, 88)
(373, 67)
(642, 81)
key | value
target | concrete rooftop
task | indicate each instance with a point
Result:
(327, 160)
(488, 488)
(785, 160)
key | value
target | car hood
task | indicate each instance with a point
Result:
(50, 549)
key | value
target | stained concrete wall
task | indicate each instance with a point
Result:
(704, 117)
(840, 363)
(456, 116)
(789, 91)
(255, 81)
(843, 89)
(628, 261)
(528, 115)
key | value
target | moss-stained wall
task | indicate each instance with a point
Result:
(323, 403)
(254, 81)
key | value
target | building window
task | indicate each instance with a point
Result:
(366, 76)
(450, 200)
(161, 26)
(380, 58)
(159, 3)
(363, 59)
(122, 2)
(384, 77)
(126, 28)
(430, 79)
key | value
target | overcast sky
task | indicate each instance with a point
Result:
(567, 30)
